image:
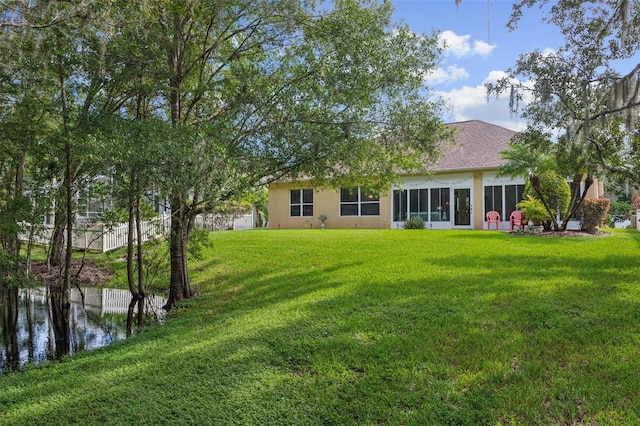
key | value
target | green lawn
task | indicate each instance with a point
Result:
(371, 327)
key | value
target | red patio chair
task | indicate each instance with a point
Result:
(493, 217)
(516, 219)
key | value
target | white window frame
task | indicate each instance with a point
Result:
(301, 204)
(361, 201)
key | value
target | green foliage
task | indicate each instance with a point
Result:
(156, 266)
(555, 190)
(260, 90)
(259, 200)
(114, 216)
(13, 210)
(594, 212)
(527, 155)
(199, 241)
(620, 211)
(534, 210)
(579, 88)
(414, 222)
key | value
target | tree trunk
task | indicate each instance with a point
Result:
(18, 190)
(575, 202)
(180, 286)
(141, 289)
(9, 322)
(57, 238)
(130, 247)
(535, 182)
(60, 308)
(68, 191)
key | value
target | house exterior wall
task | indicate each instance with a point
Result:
(325, 201)
(463, 208)
(596, 190)
(467, 196)
(473, 184)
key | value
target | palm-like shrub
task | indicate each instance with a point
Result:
(534, 210)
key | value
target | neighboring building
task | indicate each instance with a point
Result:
(460, 188)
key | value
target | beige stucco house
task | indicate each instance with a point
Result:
(460, 189)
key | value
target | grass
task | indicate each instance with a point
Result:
(371, 327)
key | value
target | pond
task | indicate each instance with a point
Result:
(32, 332)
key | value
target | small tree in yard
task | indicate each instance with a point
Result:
(534, 210)
(536, 158)
(554, 194)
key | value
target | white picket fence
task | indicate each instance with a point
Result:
(213, 222)
(103, 238)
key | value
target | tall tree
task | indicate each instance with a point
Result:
(247, 92)
(258, 90)
(26, 93)
(578, 89)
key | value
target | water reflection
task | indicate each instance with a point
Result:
(36, 325)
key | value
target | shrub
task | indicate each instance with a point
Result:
(533, 210)
(414, 222)
(594, 212)
(555, 189)
(635, 203)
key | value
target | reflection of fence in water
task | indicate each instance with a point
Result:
(100, 300)
(113, 301)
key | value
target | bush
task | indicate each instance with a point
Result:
(594, 212)
(620, 211)
(414, 222)
(555, 189)
(533, 210)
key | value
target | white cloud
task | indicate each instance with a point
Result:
(450, 74)
(548, 52)
(461, 45)
(483, 48)
(472, 103)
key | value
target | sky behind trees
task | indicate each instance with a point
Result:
(479, 48)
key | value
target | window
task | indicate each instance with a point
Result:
(432, 205)
(440, 205)
(419, 203)
(494, 196)
(399, 205)
(358, 202)
(493, 200)
(301, 202)
(513, 194)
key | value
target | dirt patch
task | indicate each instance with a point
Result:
(87, 275)
(578, 234)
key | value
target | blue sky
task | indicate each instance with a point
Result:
(479, 49)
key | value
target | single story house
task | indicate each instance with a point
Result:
(460, 188)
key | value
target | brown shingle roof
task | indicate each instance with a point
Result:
(476, 145)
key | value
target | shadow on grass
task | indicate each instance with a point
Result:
(465, 338)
